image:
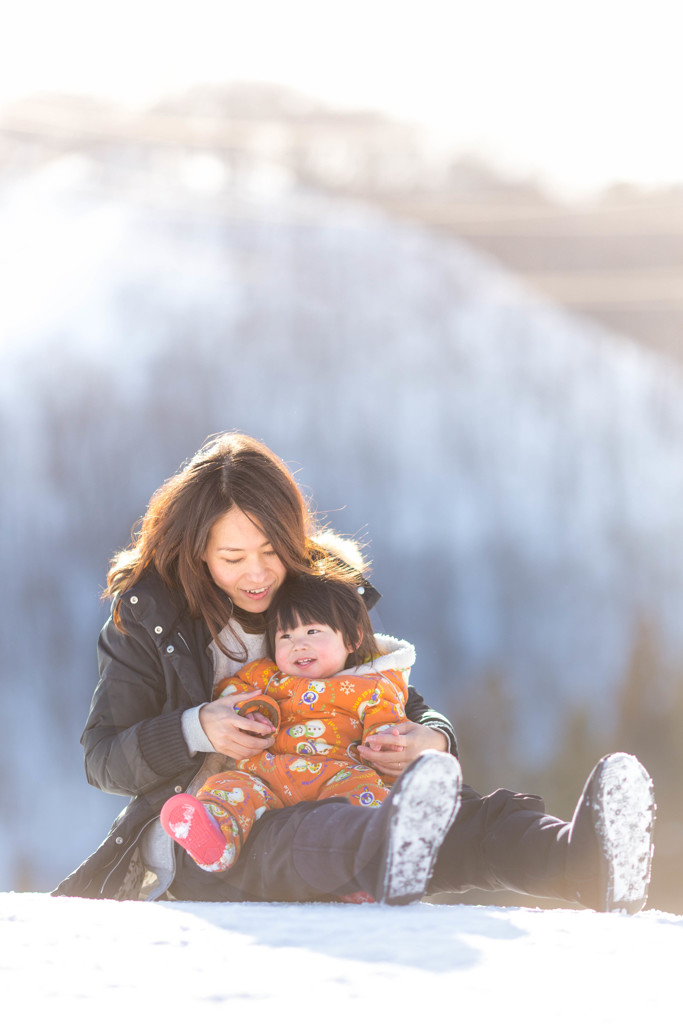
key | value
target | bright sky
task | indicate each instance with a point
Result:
(579, 91)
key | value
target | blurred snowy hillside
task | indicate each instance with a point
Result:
(518, 471)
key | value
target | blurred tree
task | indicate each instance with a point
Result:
(485, 729)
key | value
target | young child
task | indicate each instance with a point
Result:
(332, 685)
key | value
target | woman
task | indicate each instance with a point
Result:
(189, 597)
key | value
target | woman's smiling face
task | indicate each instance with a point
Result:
(242, 561)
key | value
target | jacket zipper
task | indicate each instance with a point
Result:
(184, 641)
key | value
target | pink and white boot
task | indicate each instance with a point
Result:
(189, 822)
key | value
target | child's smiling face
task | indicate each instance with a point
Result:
(314, 651)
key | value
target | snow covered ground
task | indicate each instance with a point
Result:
(99, 960)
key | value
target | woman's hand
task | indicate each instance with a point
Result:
(391, 751)
(233, 734)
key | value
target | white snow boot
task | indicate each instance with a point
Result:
(421, 808)
(617, 810)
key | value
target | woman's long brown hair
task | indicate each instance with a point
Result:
(230, 470)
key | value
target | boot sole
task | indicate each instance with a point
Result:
(425, 802)
(624, 810)
(187, 821)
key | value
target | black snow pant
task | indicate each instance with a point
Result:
(329, 849)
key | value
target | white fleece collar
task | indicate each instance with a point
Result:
(396, 654)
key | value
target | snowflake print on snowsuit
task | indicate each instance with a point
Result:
(321, 723)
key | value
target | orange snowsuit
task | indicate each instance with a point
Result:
(321, 723)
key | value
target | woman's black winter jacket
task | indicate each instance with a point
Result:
(150, 673)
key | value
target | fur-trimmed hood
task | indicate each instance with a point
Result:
(394, 654)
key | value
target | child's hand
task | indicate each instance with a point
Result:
(227, 730)
(262, 705)
(382, 741)
(385, 752)
(256, 716)
(391, 751)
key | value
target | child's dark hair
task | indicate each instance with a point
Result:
(336, 603)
